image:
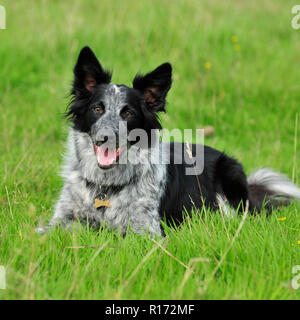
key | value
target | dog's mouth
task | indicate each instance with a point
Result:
(107, 157)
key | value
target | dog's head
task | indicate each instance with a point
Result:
(99, 108)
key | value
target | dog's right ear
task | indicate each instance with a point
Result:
(88, 72)
(154, 86)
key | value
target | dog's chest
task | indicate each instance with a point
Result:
(135, 204)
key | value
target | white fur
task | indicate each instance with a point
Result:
(224, 206)
(275, 182)
(137, 204)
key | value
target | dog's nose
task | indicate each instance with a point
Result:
(103, 137)
(101, 140)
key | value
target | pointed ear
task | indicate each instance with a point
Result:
(88, 72)
(154, 86)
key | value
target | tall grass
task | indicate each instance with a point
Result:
(235, 68)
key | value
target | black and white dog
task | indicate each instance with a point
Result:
(101, 189)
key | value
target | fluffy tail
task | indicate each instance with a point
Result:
(271, 189)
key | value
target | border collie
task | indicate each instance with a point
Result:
(101, 189)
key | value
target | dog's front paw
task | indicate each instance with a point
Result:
(42, 230)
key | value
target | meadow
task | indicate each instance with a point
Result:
(235, 68)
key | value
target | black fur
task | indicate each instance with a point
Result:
(222, 174)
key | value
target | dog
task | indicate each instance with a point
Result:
(101, 190)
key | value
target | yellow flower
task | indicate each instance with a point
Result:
(234, 39)
(237, 47)
(282, 219)
(207, 65)
(298, 241)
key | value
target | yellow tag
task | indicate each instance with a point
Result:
(102, 203)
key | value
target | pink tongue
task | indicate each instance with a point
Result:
(105, 156)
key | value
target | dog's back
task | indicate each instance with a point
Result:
(101, 188)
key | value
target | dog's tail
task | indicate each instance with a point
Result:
(270, 189)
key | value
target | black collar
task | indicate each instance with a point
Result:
(104, 188)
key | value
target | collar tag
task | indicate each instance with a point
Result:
(102, 203)
(100, 200)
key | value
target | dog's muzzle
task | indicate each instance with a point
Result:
(107, 149)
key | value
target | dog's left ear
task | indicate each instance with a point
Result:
(154, 86)
(88, 72)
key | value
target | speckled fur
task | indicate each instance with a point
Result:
(140, 184)
(146, 192)
(136, 204)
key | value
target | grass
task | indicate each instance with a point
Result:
(235, 68)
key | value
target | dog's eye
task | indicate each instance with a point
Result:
(99, 109)
(127, 114)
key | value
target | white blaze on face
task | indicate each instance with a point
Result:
(116, 88)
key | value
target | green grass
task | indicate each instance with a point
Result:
(250, 95)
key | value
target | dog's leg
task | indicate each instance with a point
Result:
(144, 216)
(65, 212)
(233, 181)
(152, 228)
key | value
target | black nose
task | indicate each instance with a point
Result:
(103, 137)
(101, 140)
